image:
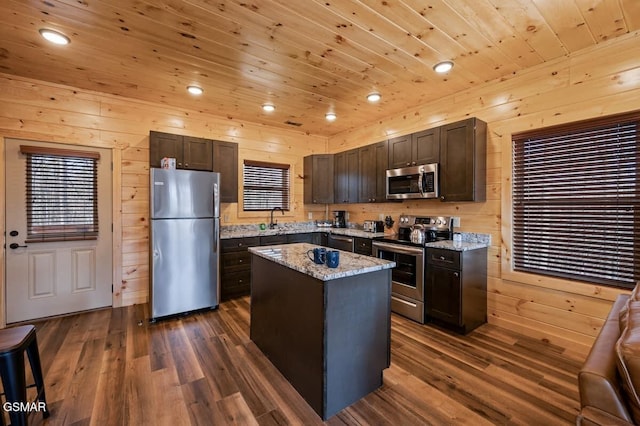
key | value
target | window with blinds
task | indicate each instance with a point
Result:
(61, 194)
(265, 186)
(576, 201)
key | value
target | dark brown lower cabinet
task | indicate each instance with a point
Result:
(456, 288)
(235, 260)
(363, 246)
(307, 237)
(235, 267)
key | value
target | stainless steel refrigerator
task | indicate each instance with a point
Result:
(184, 241)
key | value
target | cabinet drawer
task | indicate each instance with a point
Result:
(445, 258)
(235, 284)
(237, 244)
(235, 261)
(268, 240)
(300, 238)
(363, 246)
(232, 279)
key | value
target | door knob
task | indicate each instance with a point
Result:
(14, 233)
(15, 246)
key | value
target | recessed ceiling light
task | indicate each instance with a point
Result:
(54, 36)
(443, 67)
(330, 116)
(195, 90)
(268, 107)
(373, 97)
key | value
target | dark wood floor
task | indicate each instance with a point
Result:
(111, 367)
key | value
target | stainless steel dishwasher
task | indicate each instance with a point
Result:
(340, 242)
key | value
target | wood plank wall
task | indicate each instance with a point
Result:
(599, 81)
(41, 111)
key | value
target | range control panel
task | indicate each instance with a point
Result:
(437, 222)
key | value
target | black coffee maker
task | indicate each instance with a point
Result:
(339, 219)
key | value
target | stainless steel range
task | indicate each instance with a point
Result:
(407, 249)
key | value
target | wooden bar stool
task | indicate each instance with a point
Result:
(13, 344)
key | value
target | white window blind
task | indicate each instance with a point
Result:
(61, 194)
(265, 186)
(576, 201)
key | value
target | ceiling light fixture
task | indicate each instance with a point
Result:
(374, 97)
(268, 107)
(443, 67)
(195, 90)
(53, 36)
(330, 116)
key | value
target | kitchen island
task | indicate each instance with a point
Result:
(327, 330)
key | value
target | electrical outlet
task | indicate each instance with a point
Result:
(455, 222)
(310, 215)
(226, 218)
(381, 216)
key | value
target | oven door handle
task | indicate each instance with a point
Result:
(396, 248)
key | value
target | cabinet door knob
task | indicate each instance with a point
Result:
(442, 197)
(456, 274)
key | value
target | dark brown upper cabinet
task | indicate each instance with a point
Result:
(346, 176)
(190, 153)
(463, 161)
(373, 165)
(417, 148)
(199, 154)
(318, 179)
(225, 162)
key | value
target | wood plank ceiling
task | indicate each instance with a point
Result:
(307, 57)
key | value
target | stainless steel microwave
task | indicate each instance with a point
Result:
(413, 182)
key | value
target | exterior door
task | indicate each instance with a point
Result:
(54, 278)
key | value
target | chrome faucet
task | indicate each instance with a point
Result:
(273, 224)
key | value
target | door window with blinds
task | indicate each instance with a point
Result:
(576, 201)
(61, 194)
(265, 186)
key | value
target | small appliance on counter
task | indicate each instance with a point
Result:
(339, 219)
(373, 226)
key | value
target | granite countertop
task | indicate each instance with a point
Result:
(243, 231)
(470, 241)
(457, 246)
(294, 256)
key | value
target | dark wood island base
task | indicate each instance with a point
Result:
(329, 338)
